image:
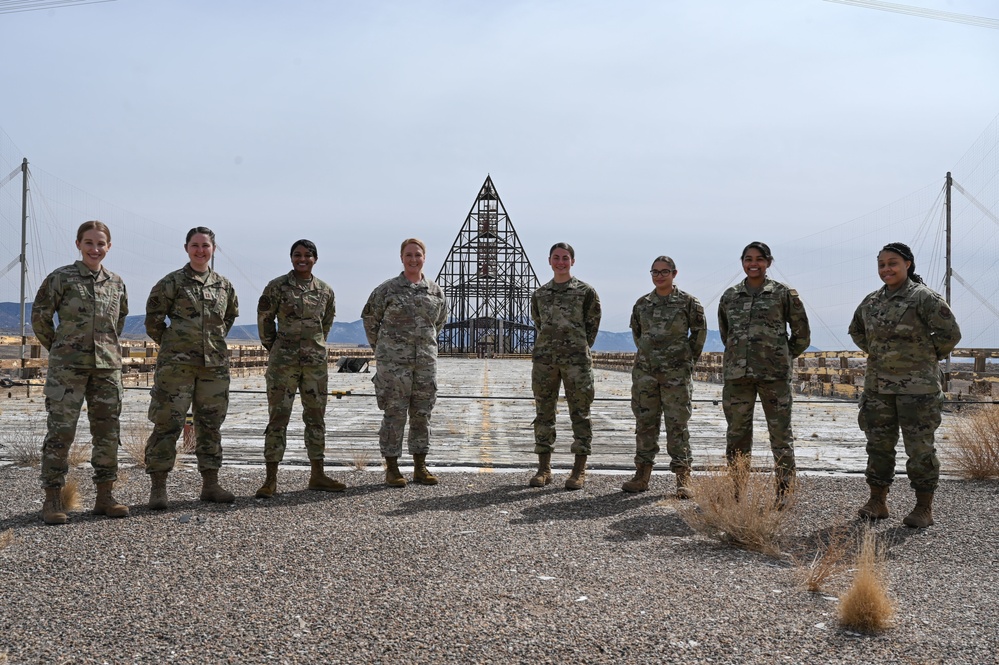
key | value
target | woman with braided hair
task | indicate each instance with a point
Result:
(906, 329)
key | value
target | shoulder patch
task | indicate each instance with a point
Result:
(944, 312)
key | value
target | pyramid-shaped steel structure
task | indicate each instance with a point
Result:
(488, 281)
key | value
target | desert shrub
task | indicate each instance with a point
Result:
(133, 440)
(866, 606)
(24, 446)
(829, 559)
(71, 494)
(974, 448)
(360, 459)
(738, 507)
(79, 453)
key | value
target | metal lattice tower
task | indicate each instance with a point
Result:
(488, 281)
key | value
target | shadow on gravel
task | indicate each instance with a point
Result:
(590, 507)
(640, 527)
(497, 496)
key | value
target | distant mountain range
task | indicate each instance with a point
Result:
(342, 333)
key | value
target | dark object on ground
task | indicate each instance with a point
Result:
(352, 365)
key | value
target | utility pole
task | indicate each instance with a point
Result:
(947, 205)
(24, 256)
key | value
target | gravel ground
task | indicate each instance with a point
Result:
(478, 569)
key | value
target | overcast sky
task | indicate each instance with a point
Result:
(627, 128)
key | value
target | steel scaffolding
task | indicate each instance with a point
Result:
(488, 281)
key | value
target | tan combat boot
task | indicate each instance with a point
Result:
(683, 490)
(52, 510)
(544, 474)
(158, 491)
(269, 488)
(422, 475)
(577, 478)
(922, 515)
(211, 491)
(876, 507)
(393, 478)
(640, 482)
(320, 481)
(106, 503)
(783, 487)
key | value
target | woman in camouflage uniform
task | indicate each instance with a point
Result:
(84, 363)
(192, 367)
(566, 314)
(905, 329)
(303, 307)
(754, 318)
(402, 319)
(669, 330)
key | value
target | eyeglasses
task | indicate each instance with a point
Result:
(661, 273)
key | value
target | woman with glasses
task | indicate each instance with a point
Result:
(669, 330)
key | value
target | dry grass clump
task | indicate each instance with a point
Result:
(738, 507)
(71, 494)
(6, 540)
(79, 453)
(133, 440)
(974, 451)
(189, 441)
(25, 446)
(865, 606)
(830, 559)
(360, 459)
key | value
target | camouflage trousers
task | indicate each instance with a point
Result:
(918, 417)
(205, 390)
(739, 401)
(659, 398)
(65, 390)
(405, 389)
(283, 381)
(577, 379)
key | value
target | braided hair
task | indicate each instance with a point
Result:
(903, 250)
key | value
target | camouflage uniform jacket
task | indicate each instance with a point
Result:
(567, 318)
(201, 309)
(91, 310)
(905, 335)
(402, 320)
(669, 332)
(304, 314)
(754, 329)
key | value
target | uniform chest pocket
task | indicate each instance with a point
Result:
(312, 305)
(214, 301)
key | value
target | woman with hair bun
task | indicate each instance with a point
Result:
(192, 367)
(906, 329)
(294, 318)
(402, 320)
(763, 326)
(669, 330)
(90, 304)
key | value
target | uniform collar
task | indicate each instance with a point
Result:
(100, 276)
(900, 292)
(294, 281)
(768, 286)
(206, 278)
(403, 280)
